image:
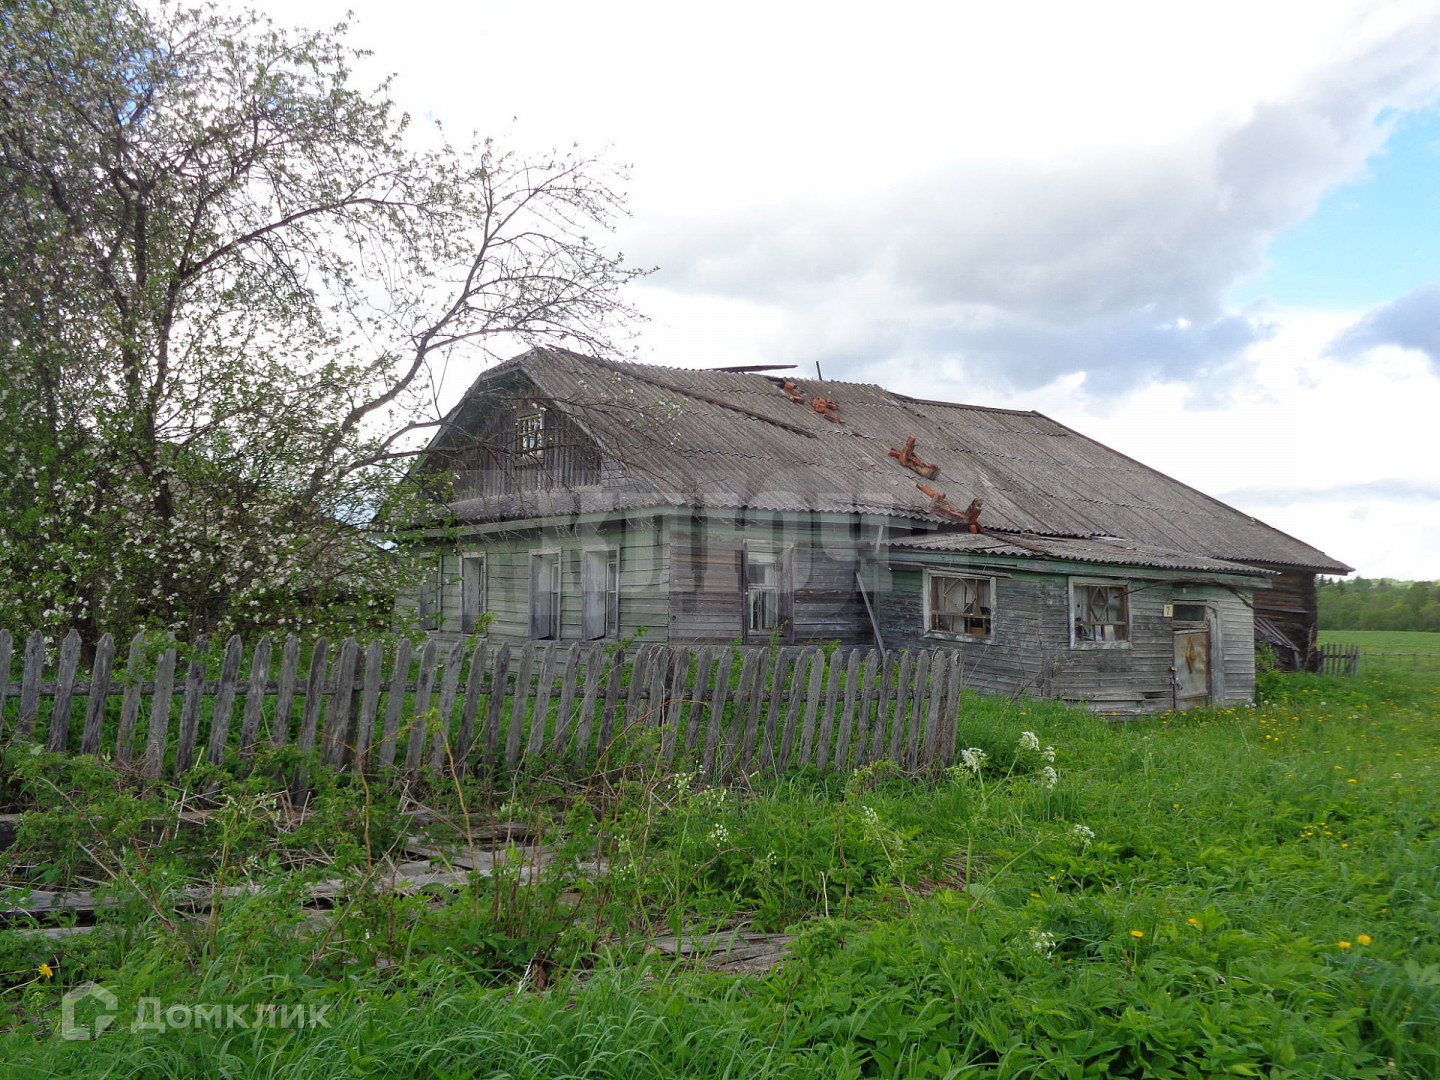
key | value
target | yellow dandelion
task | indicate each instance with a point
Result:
(1193, 921)
(46, 970)
(1364, 939)
(1343, 944)
(1137, 933)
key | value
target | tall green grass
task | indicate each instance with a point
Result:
(1235, 892)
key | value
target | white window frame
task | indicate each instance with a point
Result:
(474, 602)
(607, 559)
(987, 638)
(555, 590)
(1077, 642)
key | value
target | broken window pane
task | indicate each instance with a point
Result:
(960, 605)
(1102, 613)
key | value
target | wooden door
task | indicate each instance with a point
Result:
(1192, 668)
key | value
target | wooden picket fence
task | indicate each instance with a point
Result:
(1349, 659)
(389, 708)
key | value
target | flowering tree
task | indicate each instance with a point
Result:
(227, 289)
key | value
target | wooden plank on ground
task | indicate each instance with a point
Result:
(100, 673)
(225, 699)
(160, 715)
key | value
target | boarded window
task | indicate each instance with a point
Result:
(472, 592)
(963, 606)
(545, 595)
(530, 437)
(600, 589)
(1102, 613)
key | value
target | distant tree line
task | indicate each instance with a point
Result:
(1379, 604)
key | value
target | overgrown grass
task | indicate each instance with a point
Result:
(1244, 892)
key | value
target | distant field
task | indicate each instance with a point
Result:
(1384, 641)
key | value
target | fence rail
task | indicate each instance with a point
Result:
(481, 708)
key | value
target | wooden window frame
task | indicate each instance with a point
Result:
(783, 591)
(430, 595)
(530, 437)
(1077, 641)
(609, 617)
(927, 603)
(554, 630)
(474, 583)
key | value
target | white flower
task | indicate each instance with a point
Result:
(1029, 741)
(1083, 833)
(871, 818)
(1043, 941)
(973, 757)
(1048, 753)
(719, 835)
(1048, 776)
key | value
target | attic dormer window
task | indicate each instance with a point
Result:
(530, 436)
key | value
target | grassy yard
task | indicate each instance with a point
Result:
(1240, 892)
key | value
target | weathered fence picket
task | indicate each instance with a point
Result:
(505, 706)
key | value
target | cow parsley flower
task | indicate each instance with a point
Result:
(1048, 776)
(719, 835)
(1083, 833)
(1043, 941)
(1048, 753)
(972, 758)
(1029, 741)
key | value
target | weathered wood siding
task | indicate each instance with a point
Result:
(706, 590)
(1291, 604)
(1030, 651)
(644, 571)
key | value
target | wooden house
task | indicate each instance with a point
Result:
(589, 499)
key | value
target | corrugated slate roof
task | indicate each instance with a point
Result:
(733, 439)
(1090, 550)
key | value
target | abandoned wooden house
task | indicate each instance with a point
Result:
(589, 499)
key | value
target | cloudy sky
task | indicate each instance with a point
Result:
(1205, 233)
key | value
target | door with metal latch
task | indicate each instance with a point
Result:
(1192, 668)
